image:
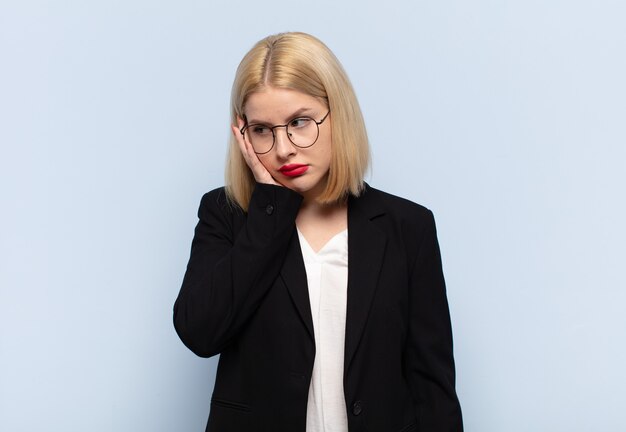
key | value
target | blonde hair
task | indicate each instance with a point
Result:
(299, 61)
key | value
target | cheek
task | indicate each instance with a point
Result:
(265, 161)
(328, 150)
(328, 156)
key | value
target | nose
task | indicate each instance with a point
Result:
(284, 147)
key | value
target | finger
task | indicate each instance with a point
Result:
(246, 146)
(240, 123)
(240, 141)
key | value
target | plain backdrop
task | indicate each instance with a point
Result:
(506, 118)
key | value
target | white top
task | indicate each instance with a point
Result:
(327, 278)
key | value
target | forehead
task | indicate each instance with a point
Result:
(276, 105)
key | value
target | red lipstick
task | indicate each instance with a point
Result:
(293, 170)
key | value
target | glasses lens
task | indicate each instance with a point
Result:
(260, 137)
(303, 131)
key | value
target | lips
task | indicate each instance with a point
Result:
(293, 170)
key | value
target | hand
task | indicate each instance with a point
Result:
(261, 174)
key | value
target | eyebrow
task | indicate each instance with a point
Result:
(295, 114)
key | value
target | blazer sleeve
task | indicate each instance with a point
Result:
(228, 274)
(429, 355)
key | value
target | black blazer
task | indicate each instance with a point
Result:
(244, 296)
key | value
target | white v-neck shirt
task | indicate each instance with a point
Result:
(327, 278)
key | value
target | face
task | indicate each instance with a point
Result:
(304, 170)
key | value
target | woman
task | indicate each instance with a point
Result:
(324, 296)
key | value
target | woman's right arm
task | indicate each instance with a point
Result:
(228, 274)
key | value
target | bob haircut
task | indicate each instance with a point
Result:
(301, 62)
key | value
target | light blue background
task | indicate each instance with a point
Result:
(506, 118)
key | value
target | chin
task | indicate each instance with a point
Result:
(305, 184)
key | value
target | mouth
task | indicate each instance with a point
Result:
(293, 170)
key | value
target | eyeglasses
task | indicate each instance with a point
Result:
(301, 131)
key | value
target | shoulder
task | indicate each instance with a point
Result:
(399, 208)
(216, 197)
(216, 202)
(407, 224)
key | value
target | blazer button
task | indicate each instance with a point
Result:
(269, 209)
(357, 408)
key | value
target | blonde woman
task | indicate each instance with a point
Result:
(324, 297)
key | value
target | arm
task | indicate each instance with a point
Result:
(429, 359)
(227, 278)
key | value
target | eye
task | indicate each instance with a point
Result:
(259, 129)
(300, 122)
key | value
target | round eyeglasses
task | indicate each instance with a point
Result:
(303, 132)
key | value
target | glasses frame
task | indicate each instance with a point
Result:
(286, 125)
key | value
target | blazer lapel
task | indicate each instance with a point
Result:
(293, 274)
(366, 249)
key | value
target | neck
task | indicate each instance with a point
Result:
(313, 207)
(320, 222)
